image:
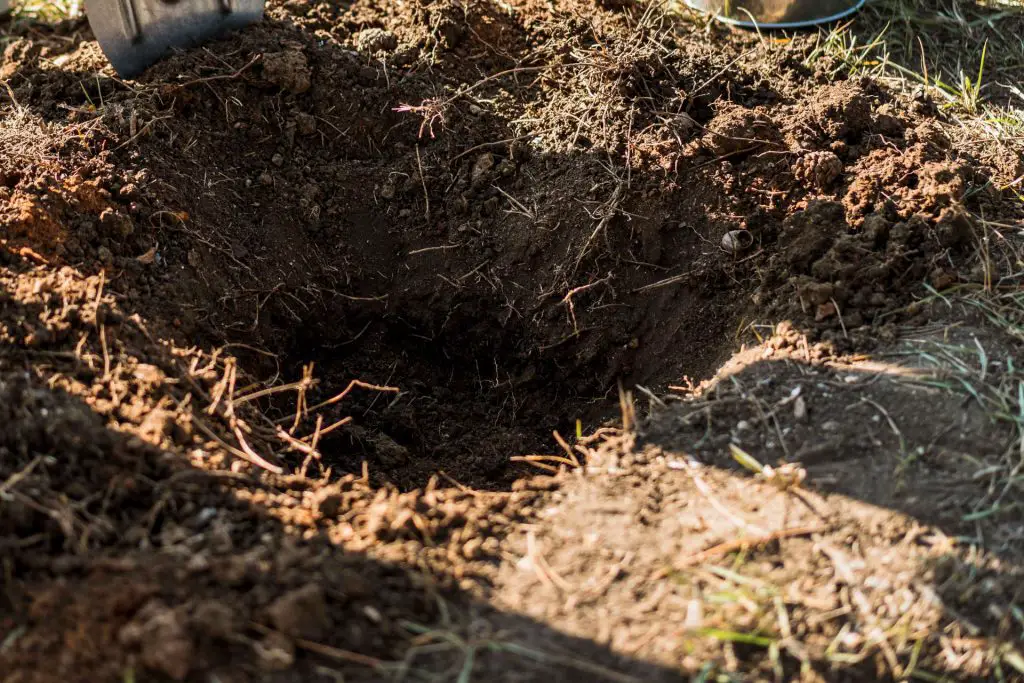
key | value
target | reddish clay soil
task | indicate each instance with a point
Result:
(500, 219)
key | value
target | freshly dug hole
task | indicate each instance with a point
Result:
(501, 267)
(479, 382)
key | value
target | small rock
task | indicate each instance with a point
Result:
(266, 179)
(164, 638)
(954, 227)
(301, 613)
(305, 124)
(277, 159)
(941, 279)
(275, 652)
(198, 564)
(214, 619)
(288, 70)
(800, 409)
(390, 452)
(736, 241)
(105, 256)
(483, 164)
(373, 40)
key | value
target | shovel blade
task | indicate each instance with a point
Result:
(134, 34)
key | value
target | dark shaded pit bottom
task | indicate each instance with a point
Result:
(470, 397)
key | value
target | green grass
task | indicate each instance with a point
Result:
(45, 11)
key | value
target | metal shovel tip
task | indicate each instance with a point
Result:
(134, 34)
(776, 14)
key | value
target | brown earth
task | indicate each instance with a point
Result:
(492, 215)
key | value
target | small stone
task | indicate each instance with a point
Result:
(941, 279)
(288, 70)
(305, 124)
(275, 652)
(198, 564)
(214, 619)
(277, 159)
(736, 241)
(301, 613)
(483, 164)
(800, 409)
(374, 40)
(266, 179)
(105, 256)
(390, 452)
(165, 640)
(825, 311)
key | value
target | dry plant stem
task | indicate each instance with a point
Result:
(253, 459)
(543, 569)
(717, 504)
(565, 446)
(223, 77)
(538, 461)
(294, 386)
(334, 399)
(609, 209)
(326, 650)
(567, 299)
(423, 182)
(324, 432)
(748, 542)
(13, 480)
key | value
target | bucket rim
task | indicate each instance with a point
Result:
(692, 4)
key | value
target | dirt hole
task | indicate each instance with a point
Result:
(477, 382)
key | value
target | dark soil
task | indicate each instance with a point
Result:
(493, 216)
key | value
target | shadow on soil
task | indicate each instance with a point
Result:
(895, 437)
(118, 556)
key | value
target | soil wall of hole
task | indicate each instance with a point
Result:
(502, 213)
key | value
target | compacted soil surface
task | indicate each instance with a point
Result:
(469, 340)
